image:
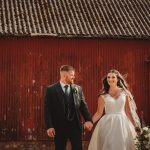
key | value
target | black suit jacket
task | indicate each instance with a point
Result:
(54, 107)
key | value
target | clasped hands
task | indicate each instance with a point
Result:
(88, 125)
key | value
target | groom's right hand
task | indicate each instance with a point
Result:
(51, 132)
(88, 125)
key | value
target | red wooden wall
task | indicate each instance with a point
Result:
(28, 65)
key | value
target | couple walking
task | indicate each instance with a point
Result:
(65, 102)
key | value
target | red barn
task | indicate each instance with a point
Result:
(38, 36)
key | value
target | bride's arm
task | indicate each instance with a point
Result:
(128, 111)
(100, 108)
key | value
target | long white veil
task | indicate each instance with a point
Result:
(133, 108)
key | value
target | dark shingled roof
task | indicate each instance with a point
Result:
(76, 18)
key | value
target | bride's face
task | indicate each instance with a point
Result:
(112, 79)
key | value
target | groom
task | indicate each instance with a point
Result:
(64, 101)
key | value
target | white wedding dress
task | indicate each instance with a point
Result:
(114, 131)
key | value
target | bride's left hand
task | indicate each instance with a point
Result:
(138, 130)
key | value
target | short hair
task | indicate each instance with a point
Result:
(66, 68)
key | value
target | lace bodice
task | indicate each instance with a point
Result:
(115, 105)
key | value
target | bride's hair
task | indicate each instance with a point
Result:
(121, 82)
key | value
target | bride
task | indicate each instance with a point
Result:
(116, 129)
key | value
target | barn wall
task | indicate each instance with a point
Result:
(28, 65)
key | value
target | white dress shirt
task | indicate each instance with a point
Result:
(63, 87)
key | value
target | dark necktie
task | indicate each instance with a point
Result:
(66, 88)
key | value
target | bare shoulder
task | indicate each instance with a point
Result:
(101, 99)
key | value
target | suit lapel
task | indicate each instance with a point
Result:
(75, 94)
(60, 95)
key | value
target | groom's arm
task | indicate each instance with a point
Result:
(84, 107)
(47, 112)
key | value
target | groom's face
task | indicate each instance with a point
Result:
(70, 76)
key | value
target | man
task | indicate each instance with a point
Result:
(64, 101)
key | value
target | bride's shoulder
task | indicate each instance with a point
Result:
(102, 96)
(101, 99)
(122, 91)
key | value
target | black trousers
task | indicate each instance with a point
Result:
(73, 133)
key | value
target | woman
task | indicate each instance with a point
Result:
(116, 129)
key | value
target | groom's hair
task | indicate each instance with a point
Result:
(66, 68)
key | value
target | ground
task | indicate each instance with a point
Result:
(34, 145)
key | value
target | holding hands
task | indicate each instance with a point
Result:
(51, 132)
(88, 125)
